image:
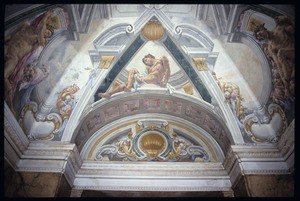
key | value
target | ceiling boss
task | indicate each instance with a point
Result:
(153, 30)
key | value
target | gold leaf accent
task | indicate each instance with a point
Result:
(152, 144)
(106, 61)
(153, 30)
(200, 64)
(188, 88)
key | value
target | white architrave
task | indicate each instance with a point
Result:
(81, 105)
(92, 175)
(158, 177)
(101, 45)
(261, 158)
(50, 156)
(205, 111)
(229, 119)
(15, 140)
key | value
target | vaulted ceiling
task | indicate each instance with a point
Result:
(226, 86)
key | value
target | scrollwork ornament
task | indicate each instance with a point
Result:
(52, 117)
(197, 152)
(30, 137)
(130, 29)
(152, 144)
(106, 150)
(262, 132)
(178, 31)
(141, 124)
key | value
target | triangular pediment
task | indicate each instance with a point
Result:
(183, 71)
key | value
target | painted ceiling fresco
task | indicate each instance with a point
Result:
(55, 73)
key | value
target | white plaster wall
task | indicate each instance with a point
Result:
(78, 69)
(235, 60)
(249, 67)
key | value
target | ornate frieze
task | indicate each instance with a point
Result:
(152, 144)
(131, 106)
(144, 139)
(177, 105)
(93, 122)
(111, 112)
(173, 106)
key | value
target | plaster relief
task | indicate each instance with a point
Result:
(173, 106)
(152, 144)
(131, 106)
(269, 131)
(193, 113)
(39, 130)
(91, 123)
(111, 112)
(152, 104)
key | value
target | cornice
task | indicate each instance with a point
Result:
(255, 159)
(154, 184)
(147, 188)
(61, 157)
(13, 132)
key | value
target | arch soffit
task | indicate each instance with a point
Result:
(191, 110)
(136, 124)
